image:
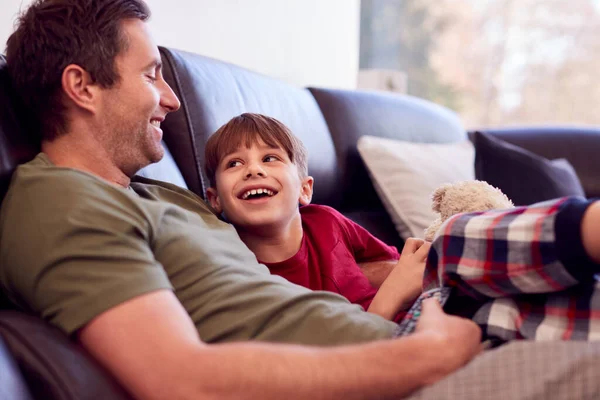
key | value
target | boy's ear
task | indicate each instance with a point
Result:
(213, 199)
(79, 87)
(306, 191)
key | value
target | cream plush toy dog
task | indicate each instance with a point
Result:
(462, 197)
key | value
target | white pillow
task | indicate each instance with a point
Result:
(405, 174)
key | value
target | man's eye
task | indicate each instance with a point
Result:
(151, 78)
(270, 158)
(234, 163)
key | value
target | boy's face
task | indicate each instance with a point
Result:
(259, 187)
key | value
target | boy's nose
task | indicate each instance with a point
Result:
(255, 170)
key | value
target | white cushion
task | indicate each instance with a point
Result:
(405, 174)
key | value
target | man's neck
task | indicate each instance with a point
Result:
(274, 244)
(73, 152)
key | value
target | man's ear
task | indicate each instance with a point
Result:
(306, 191)
(213, 199)
(79, 87)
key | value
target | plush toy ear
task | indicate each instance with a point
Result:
(437, 197)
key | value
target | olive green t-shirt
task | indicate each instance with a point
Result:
(73, 245)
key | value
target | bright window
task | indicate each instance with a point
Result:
(495, 62)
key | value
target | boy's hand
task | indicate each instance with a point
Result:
(407, 276)
(411, 265)
(404, 284)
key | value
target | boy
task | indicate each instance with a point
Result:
(258, 175)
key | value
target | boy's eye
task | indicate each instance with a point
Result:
(270, 158)
(233, 163)
(151, 78)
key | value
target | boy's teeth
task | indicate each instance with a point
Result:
(257, 191)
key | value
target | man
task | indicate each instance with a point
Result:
(141, 273)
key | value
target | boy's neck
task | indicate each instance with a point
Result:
(274, 244)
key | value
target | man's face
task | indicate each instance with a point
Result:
(259, 187)
(133, 109)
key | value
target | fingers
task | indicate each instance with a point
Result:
(431, 306)
(423, 251)
(412, 245)
(432, 315)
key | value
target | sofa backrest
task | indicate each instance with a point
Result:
(16, 146)
(351, 114)
(329, 122)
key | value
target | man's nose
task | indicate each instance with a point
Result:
(168, 98)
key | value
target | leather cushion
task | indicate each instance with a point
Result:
(351, 114)
(12, 384)
(54, 367)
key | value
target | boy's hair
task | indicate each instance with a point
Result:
(247, 129)
(50, 35)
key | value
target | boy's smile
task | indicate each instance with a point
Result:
(259, 187)
(256, 193)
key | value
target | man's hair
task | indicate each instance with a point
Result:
(50, 35)
(248, 129)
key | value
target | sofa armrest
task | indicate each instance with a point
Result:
(579, 145)
(12, 383)
(54, 367)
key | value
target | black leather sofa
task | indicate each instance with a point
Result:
(39, 362)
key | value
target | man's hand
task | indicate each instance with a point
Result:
(455, 340)
(404, 284)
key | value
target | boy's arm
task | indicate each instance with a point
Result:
(150, 344)
(404, 283)
(375, 258)
(377, 271)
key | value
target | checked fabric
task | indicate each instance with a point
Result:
(523, 270)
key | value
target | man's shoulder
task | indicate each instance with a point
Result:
(45, 183)
(41, 193)
(170, 193)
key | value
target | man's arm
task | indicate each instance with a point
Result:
(150, 344)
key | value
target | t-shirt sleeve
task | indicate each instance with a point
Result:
(365, 246)
(70, 251)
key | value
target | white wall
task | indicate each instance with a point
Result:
(8, 13)
(303, 42)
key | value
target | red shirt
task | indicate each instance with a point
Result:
(332, 246)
